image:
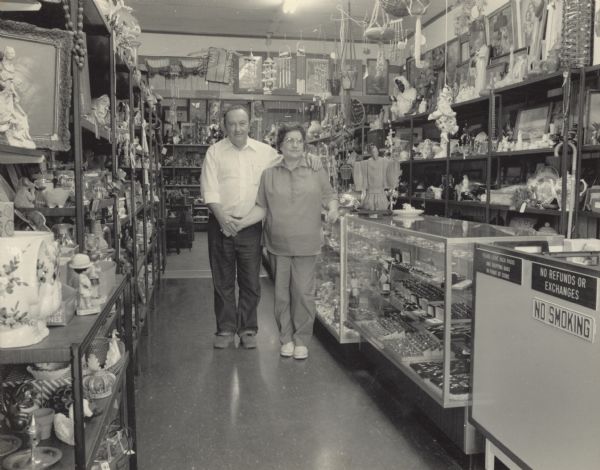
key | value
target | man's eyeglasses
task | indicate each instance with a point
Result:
(291, 141)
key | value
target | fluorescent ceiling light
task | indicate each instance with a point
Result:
(289, 6)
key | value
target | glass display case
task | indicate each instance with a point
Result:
(407, 290)
(331, 298)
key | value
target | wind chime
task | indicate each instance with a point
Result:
(269, 72)
(283, 65)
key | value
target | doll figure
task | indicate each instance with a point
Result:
(84, 293)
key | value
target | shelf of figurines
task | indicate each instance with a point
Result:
(54, 343)
(98, 415)
(482, 205)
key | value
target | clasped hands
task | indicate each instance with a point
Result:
(230, 226)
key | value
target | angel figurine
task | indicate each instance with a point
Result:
(13, 119)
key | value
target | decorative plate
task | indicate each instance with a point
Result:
(8, 444)
(407, 213)
(46, 457)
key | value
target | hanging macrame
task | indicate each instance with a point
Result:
(380, 31)
(402, 8)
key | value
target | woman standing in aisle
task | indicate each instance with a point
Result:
(290, 198)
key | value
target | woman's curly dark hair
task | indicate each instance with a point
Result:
(284, 129)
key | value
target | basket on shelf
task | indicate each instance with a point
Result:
(99, 348)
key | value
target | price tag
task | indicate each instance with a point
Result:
(523, 207)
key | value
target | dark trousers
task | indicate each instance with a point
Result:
(230, 257)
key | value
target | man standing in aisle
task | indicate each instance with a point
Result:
(230, 178)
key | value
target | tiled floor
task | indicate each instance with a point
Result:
(200, 408)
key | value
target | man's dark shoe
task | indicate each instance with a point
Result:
(248, 340)
(222, 341)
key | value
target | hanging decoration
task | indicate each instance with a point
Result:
(402, 8)
(79, 49)
(379, 30)
(283, 65)
(576, 40)
(269, 72)
(445, 120)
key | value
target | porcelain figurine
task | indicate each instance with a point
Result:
(481, 61)
(13, 119)
(25, 195)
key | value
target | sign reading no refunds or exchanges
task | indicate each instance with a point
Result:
(567, 320)
(507, 268)
(567, 285)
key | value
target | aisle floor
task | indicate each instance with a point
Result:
(200, 408)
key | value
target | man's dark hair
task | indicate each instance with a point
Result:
(235, 107)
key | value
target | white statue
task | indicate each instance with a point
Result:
(481, 61)
(13, 119)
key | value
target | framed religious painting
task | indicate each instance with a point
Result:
(477, 37)
(501, 29)
(531, 18)
(411, 70)
(592, 118)
(465, 52)
(247, 73)
(36, 69)
(553, 29)
(376, 82)
(198, 111)
(463, 76)
(452, 59)
(438, 56)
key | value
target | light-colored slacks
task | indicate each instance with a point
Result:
(295, 308)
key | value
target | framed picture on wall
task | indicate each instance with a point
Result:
(214, 111)
(532, 122)
(198, 111)
(411, 70)
(247, 73)
(465, 52)
(452, 59)
(376, 82)
(477, 36)
(501, 26)
(592, 117)
(495, 73)
(531, 20)
(596, 42)
(39, 61)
